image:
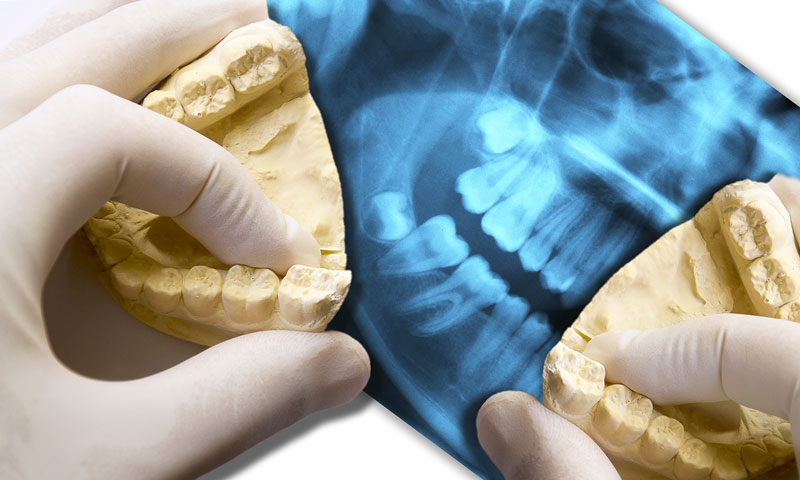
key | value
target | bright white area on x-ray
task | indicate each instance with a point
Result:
(363, 440)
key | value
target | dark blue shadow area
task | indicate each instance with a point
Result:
(500, 160)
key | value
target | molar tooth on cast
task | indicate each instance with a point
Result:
(202, 289)
(727, 465)
(165, 103)
(773, 279)
(308, 297)
(573, 383)
(162, 289)
(662, 439)
(790, 311)
(249, 294)
(755, 459)
(622, 415)
(114, 250)
(102, 227)
(694, 460)
(107, 209)
(203, 93)
(250, 62)
(129, 276)
(756, 222)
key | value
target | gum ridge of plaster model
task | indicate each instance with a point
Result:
(737, 255)
(249, 94)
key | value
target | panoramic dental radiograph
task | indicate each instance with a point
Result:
(499, 161)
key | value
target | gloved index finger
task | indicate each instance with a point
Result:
(123, 52)
(752, 360)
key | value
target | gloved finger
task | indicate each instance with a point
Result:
(525, 440)
(751, 360)
(62, 161)
(123, 52)
(60, 18)
(788, 190)
(235, 394)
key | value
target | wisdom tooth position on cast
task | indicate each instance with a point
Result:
(686, 363)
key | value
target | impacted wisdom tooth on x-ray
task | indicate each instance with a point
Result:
(737, 255)
(249, 94)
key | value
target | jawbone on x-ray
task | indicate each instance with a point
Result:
(737, 255)
(249, 94)
(499, 161)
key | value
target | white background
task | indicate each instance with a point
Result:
(363, 440)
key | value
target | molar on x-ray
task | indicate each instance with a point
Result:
(500, 160)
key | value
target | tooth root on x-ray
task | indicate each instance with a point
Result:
(507, 316)
(389, 216)
(536, 338)
(434, 244)
(472, 287)
(576, 257)
(539, 247)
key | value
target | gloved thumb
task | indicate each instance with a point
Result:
(235, 394)
(526, 441)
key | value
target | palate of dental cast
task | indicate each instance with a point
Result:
(164, 277)
(737, 255)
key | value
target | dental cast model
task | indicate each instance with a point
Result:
(737, 255)
(249, 94)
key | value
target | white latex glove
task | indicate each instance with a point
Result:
(63, 152)
(751, 360)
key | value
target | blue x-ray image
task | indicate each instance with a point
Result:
(500, 160)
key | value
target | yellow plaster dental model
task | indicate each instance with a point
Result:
(737, 255)
(249, 94)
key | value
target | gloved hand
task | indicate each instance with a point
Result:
(64, 151)
(751, 360)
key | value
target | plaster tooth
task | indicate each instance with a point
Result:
(778, 448)
(622, 415)
(693, 461)
(774, 280)
(309, 297)
(334, 261)
(573, 383)
(573, 339)
(203, 93)
(165, 103)
(162, 290)
(249, 294)
(251, 62)
(785, 429)
(202, 289)
(755, 228)
(728, 465)
(755, 459)
(107, 209)
(129, 276)
(102, 227)
(113, 250)
(790, 311)
(662, 439)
